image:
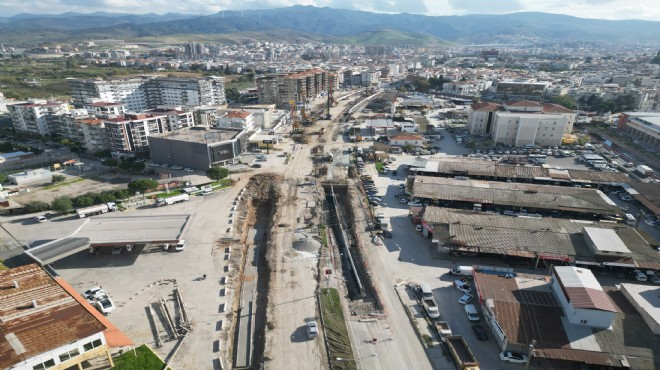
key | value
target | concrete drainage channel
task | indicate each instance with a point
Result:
(339, 215)
(251, 309)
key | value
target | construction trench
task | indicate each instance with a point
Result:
(262, 219)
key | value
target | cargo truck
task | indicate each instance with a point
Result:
(461, 353)
(443, 329)
(431, 308)
(96, 210)
(644, 170)
(172, 200)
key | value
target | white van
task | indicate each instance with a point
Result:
(426, 291)
(630, 219)
(462, 270)
(471, 313)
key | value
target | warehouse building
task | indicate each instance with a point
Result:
(198, 148)
(488, 170)
(531, 198)
(537, 240)
(535, 316)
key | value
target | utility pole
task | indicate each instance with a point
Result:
(531, 352)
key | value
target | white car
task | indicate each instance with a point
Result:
(513, 357)
(94, 293)
(104, 304)
(312, 329)
(465, 299)
(419, 227)
(40, 219)
(415, 204)
(462, 286)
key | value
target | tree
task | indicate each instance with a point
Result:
(36, 206)
(104, 197)
(138, 166)
(58, 178)
(588, 60)
(232, 94)
(84, 200)
(142, 185)
(565, 101)
(3, 178)
(121, 194)
(408, 148)
(217, 173)
(62, 204)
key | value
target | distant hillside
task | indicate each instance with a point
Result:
(390, 37)
(349, 25)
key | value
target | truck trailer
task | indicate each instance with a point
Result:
(96, 210)
(172, 200)
(461, 353)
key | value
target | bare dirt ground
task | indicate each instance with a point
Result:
(292, 254)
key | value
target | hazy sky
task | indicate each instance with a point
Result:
(606, 9)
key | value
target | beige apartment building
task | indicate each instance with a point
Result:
(299, 87)
(521, 122)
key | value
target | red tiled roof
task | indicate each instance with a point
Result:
(58, 319)
(523, 103)
(485, 107)
(556, 108)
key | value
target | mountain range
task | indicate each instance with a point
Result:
(331, 25)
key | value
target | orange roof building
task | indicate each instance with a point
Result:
(44, 323)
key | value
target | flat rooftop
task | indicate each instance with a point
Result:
(200, 135)
(549, 197)
(113, 230)
(647, 300)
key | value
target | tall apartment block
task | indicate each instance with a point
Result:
(518, 123)
(297, 87)
(34, 116)
(139, 94)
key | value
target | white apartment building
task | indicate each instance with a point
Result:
(139, 94)
(520, 123)
(33, 117)
(236, 119)
(518, 129)
(176, 118)
(129, 133)
(101, 108)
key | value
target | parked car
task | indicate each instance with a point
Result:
(517, 358)
(480, 332)
(93, 293)
(40, 219)
(463, 287)
(312, 329)
(418, 227)
(104, 304)
(465, 299)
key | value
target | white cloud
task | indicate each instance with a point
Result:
(606, 9)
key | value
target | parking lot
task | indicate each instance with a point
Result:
(136, 280)
(407, 257)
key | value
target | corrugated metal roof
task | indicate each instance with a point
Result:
(582, 289)
(57, 320)
(513, 194)
(606, 240)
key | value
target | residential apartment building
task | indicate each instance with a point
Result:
(128, 134)
(101, 108)
(175, 118)
(139, 94)
(298, 87)
(236, 119)
(87, 130)
(130, 91)
(33, 117)
(520, 123)
(520, 89)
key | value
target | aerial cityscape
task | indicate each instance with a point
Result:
(330, 185)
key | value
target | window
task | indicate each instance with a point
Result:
(91, 345)
(583, 322)
(45, 365)
(68, 355)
